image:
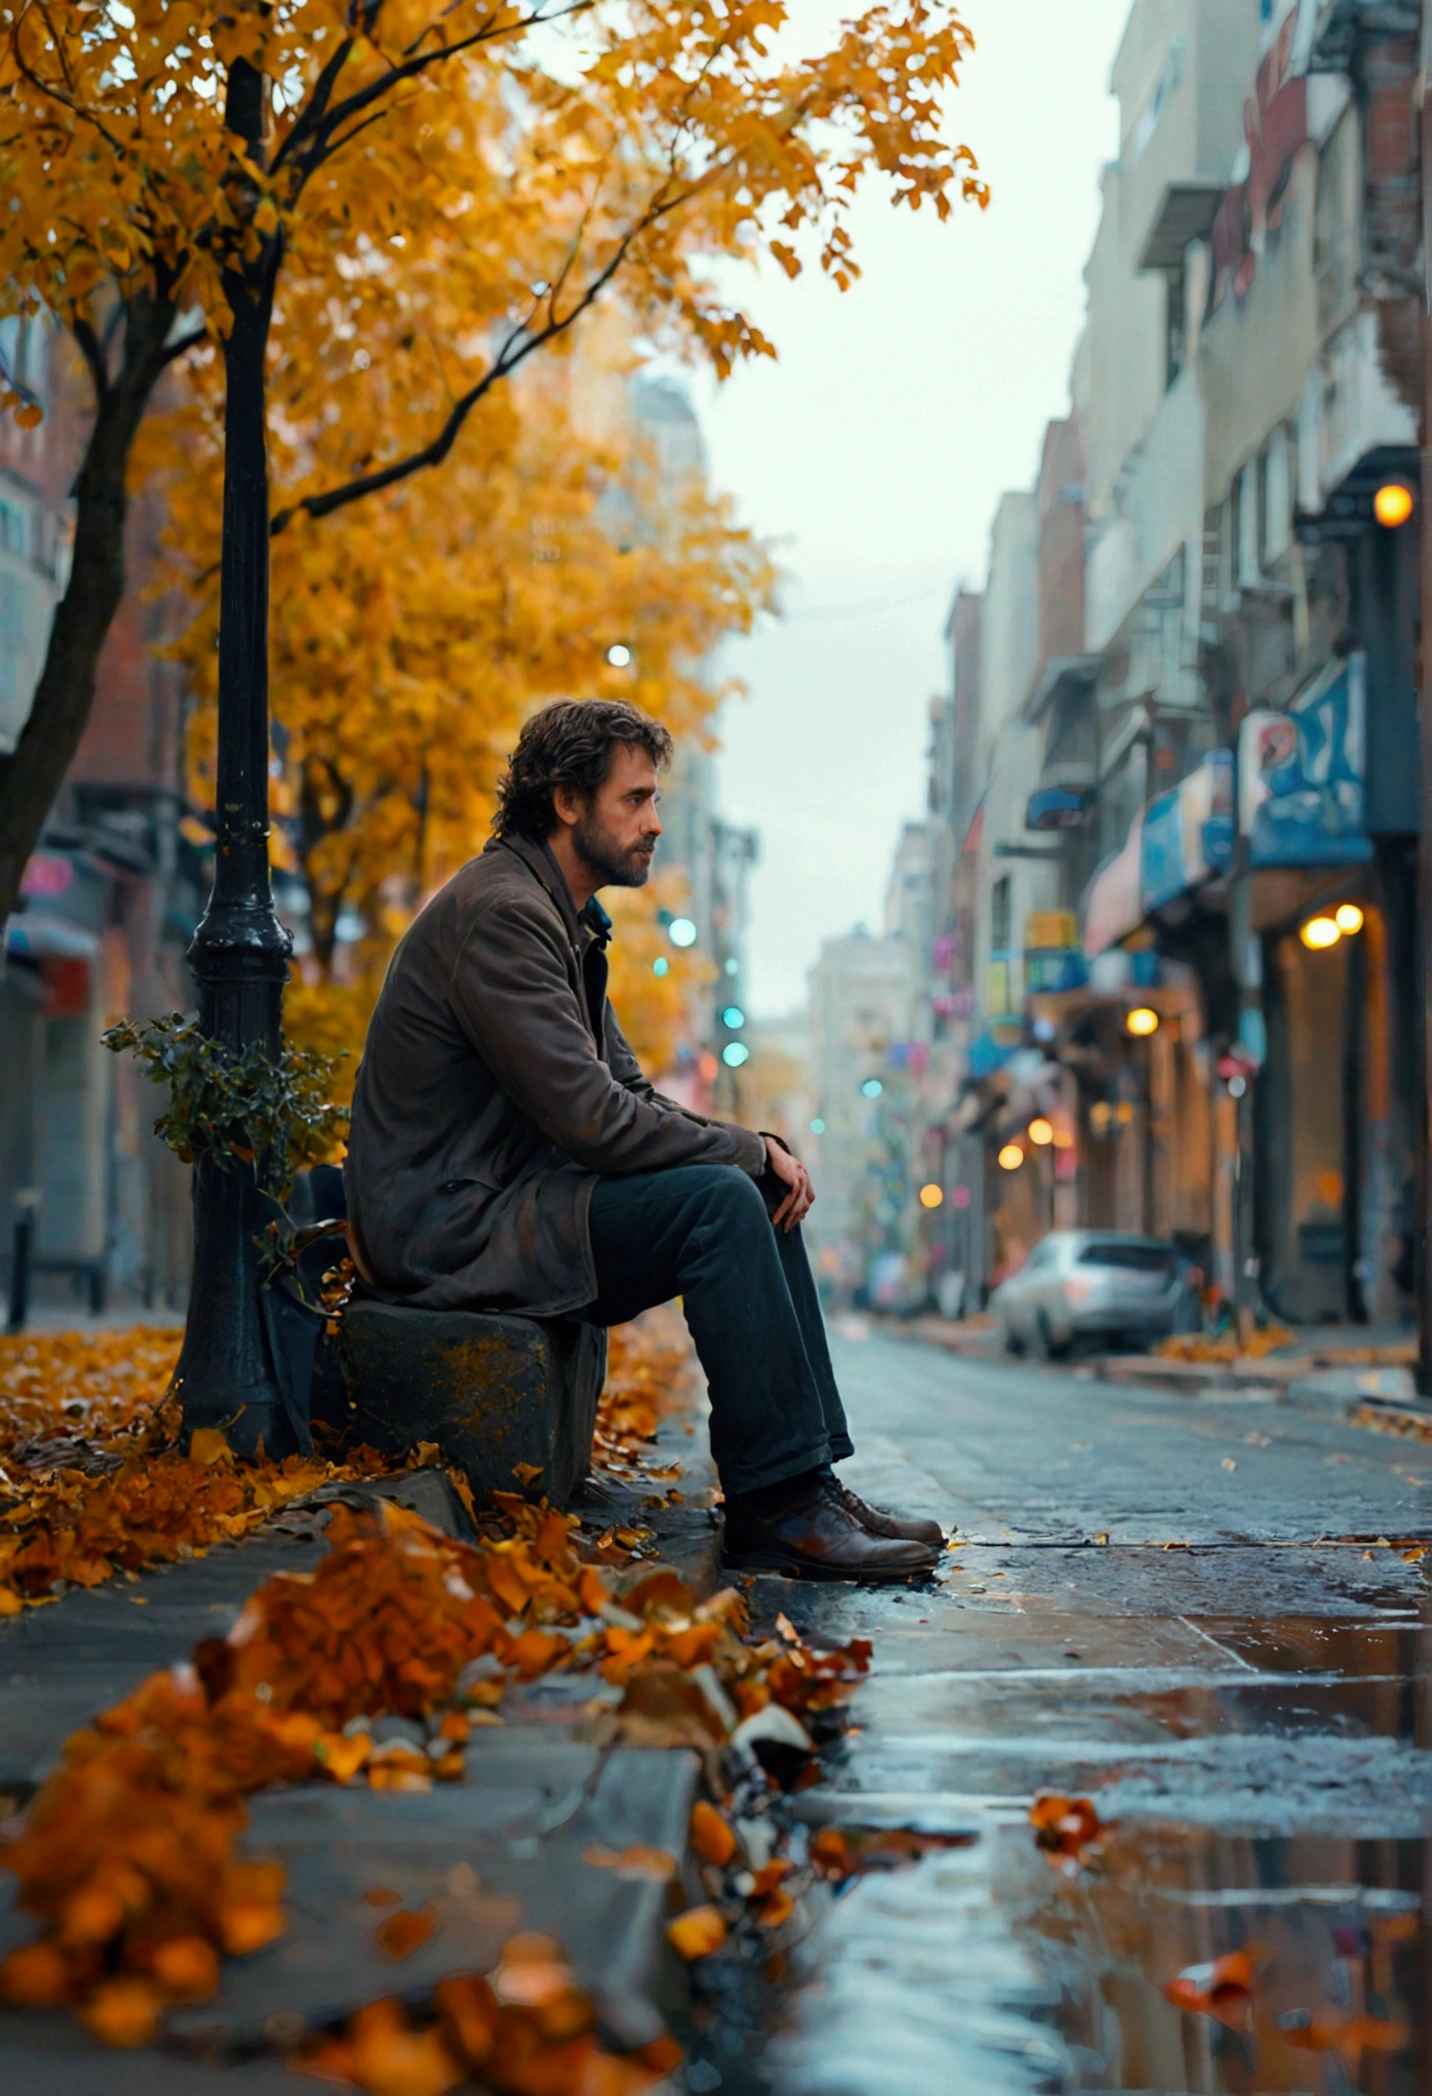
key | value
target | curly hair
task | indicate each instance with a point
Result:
(569, 743)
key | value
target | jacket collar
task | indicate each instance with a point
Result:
(539, 860)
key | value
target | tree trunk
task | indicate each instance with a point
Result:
(31, 777)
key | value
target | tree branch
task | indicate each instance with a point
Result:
(182, 346)
(92, 350)
(363, 98)
(433, 454)
(316, 106)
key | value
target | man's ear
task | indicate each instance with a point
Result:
(566, 806)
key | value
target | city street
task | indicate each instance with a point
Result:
(1198, 1613)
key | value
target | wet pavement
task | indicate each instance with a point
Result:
(1206, 1613)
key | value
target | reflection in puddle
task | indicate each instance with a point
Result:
(1254, 1873)
(1337, 1994)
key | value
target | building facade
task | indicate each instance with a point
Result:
(1175, 778)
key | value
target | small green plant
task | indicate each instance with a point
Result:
(275, 1113)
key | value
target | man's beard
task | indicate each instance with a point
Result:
(613, 865)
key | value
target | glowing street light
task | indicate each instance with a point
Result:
(1320, 932)
(1141, 1021)
(734, 1017)
(681, 932)
(931, 1196)
(872, 1088)
(619, 655)
(734, 1054)
(1348, 918)
(1041, 1131)
(1010, 1158)
(1392, 504)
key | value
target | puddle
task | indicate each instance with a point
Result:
(1271, 1795)
(1339, 1998)
(981, 1969)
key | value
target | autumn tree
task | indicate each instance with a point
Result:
(408, 647)
(461, 181)
(440, 191)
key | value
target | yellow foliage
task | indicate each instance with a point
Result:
(513, 159)
(413, 635)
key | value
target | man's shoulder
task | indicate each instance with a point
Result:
(497, 880)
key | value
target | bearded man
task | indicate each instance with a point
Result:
(507, 1152)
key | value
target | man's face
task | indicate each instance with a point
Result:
(616, 831)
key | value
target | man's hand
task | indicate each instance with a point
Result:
(793, 1174)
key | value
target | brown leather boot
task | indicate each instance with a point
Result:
(817, 1537)
(881, 1523)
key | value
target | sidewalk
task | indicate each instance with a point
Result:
(502, 1849)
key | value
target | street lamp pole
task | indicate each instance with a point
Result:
(239, 954)
(1424, 845)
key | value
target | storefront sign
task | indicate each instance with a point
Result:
(1114, 903)
(1300, 775)
(1188, 833)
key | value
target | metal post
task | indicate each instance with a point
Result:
(1424, 848)
(240, 951)
(1248, 974)
(27, 1210)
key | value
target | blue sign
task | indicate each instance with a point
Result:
(1300, 775)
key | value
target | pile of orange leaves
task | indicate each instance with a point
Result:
(68, 1395)
(650, 1372)
(90, 1487)
(525, 2029)
(127, 1855)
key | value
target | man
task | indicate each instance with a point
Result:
(508, 1154)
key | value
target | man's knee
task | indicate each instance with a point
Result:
(732, 1197)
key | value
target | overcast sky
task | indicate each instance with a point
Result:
(874, 452)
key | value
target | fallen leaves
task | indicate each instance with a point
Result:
(526, 2029)
(1348, 2036)
(841, 1853)
(711, 1834)
(1067, 1829)
(697, 1933)
(75, 1394)
(1223, 1346)
(375, 1666)
(400, 1934)
(651, 1371)
(92, 1491)
(640, 1860)
(1222, 1989)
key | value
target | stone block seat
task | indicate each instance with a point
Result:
(510, 1401)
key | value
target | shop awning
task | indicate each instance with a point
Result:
(33, 937)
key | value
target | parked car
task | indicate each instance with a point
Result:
(1089, 1284)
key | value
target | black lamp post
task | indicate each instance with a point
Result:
(240, 951)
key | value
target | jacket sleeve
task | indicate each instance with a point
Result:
(513, 998)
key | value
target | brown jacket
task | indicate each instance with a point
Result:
(495, 1086)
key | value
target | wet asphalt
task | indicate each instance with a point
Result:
(1206, 1614)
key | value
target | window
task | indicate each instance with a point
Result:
(14, 529)
(999, 915)
(1132, 1257)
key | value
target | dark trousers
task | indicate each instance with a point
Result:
(702, 1232)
